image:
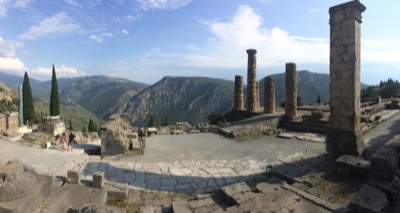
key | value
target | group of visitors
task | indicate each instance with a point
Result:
(63, 141)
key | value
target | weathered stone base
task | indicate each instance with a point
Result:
(340, 143)
(29, 202)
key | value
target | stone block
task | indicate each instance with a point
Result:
(353, 166)
(98, 180)
(73, 177)
(118, 194)
(390, 188)
(384, 164)
(369, 200)
(394, 143)
(228, 192)
(59, 201)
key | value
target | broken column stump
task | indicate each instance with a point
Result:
(98, 180)
(73, 177)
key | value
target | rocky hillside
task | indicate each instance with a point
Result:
(8, 99)
(180, 99)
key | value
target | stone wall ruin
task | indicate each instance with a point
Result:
(118, 136)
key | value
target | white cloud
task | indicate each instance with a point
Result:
(124, 31)
(317, 10)
(22, 3)
(162, 4)
(13, 65)
(8, 61)
(383, 51)
(95, 38)
(60, 23)
(131, 18)
(61, 71)
(5, 5)
(229, 41)
(102, 37)
(72, 2)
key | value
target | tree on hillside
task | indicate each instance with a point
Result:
(70, 125)
(318, 101)
(27, 100)
(91, 126)
(166, 121)
(54, 96)
(151, 121)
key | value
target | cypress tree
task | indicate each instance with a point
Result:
(54, 97)
(91, 126)
(27, 100)
(70, 124)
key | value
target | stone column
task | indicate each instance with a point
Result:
(20, 110)
(252, 91)
(238, 103)
(269, 95)
(344, 133)
(290, 91)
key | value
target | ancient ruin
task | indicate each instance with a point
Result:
(344, 134)
(269, 95)
(118, 137)
(253, 102)
(238, 103)
(22, 189)
(290, 92)
(52, 125)
(9, 122)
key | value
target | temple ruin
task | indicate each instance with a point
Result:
(253, 102)
(290, 91)
(269, 95)
(344, 133)
(238, 96)
(118, 137)
(52, 125)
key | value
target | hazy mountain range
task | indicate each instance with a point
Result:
(178, 98)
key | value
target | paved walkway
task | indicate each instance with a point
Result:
(188, 163)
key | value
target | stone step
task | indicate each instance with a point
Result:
(58, 202)
(208, 204)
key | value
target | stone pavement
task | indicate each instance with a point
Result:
(180, 175)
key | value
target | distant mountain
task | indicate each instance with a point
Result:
(178, 98)
(188, 99)
(98, 94)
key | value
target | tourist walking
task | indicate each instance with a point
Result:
(71, 141)
(63, 141)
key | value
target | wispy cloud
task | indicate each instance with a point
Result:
(60, 23)
(62, 71)
(316, 10)
(72, 2)
(275, 46)
(5, 5)
(101, 37)
(162, 4)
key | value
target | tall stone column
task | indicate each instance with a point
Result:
(344, 133)
(290, 91)
(269, 95)
(20, 108)
(238, 98)
(252, 90)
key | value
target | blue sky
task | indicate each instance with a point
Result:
(144, 40)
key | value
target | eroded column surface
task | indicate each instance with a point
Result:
(238, 103)
(252, 90)
(269, 95)
(290, 91)
(344, 133)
